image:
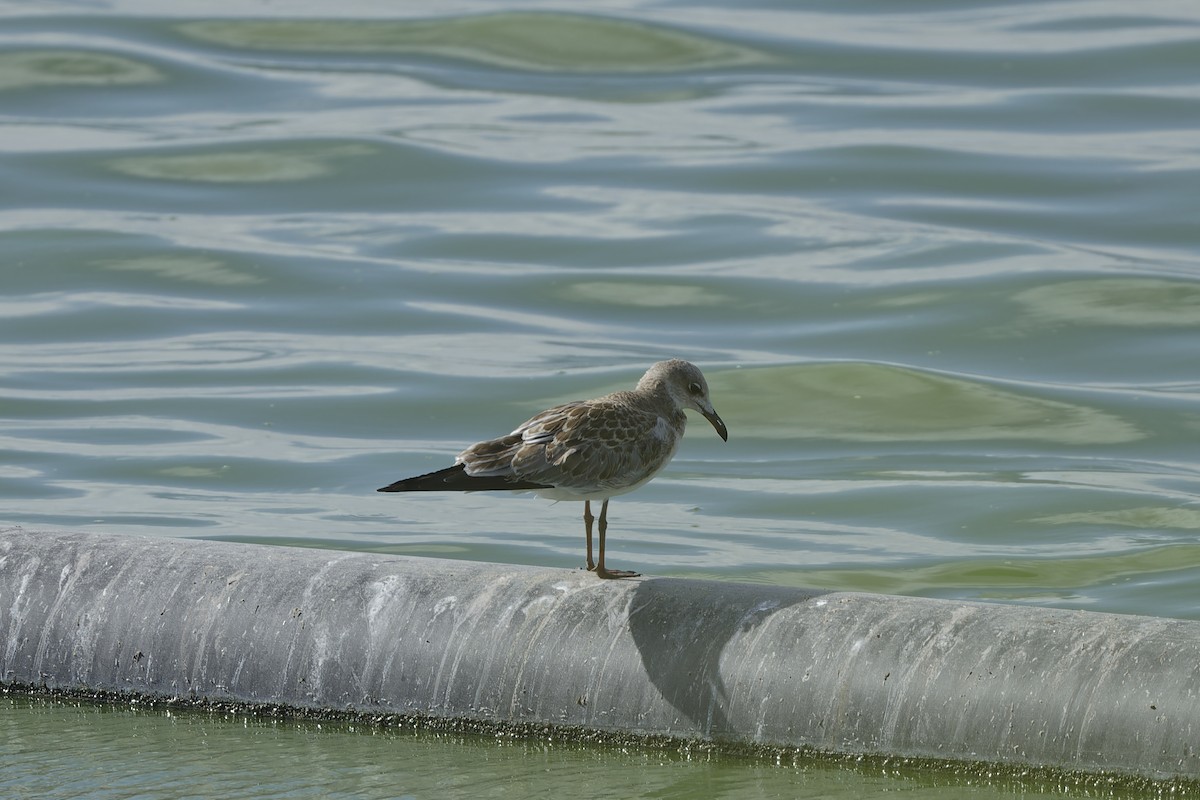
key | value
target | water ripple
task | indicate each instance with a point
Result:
(939, 265)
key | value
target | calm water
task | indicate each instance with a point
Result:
(941, 265)
(153, 754)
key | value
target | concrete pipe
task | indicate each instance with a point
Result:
(510, 645)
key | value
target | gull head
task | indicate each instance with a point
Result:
(685, 385)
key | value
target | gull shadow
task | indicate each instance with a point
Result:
(682, 628)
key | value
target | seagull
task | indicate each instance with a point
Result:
(586, 449)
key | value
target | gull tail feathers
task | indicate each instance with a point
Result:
(456, 479)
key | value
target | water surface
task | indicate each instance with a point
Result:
(940, 265)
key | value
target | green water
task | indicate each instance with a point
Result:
(126, 753)
(941, 266)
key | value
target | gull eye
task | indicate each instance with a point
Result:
(695, 389)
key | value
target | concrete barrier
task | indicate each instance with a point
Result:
(500, 644)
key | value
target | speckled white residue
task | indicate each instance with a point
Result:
(237, 671)
(947, 636)
(819, 602)
(758, 610)
(538, 603)
(321, 652)
(444, 604)
(858, 645)
(382, 592)
(313, 588)
(545, 600)
(16, 615)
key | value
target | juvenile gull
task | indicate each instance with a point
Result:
(586, 449)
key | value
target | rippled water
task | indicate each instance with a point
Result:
(941, 265)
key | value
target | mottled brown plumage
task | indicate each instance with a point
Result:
(587, 449)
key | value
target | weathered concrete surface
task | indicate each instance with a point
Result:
(845, 673)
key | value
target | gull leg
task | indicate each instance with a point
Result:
(600, 570)
(587, 524)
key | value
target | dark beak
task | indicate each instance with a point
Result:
(717, 423)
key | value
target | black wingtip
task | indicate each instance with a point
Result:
(440, 480)
(456, 479)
